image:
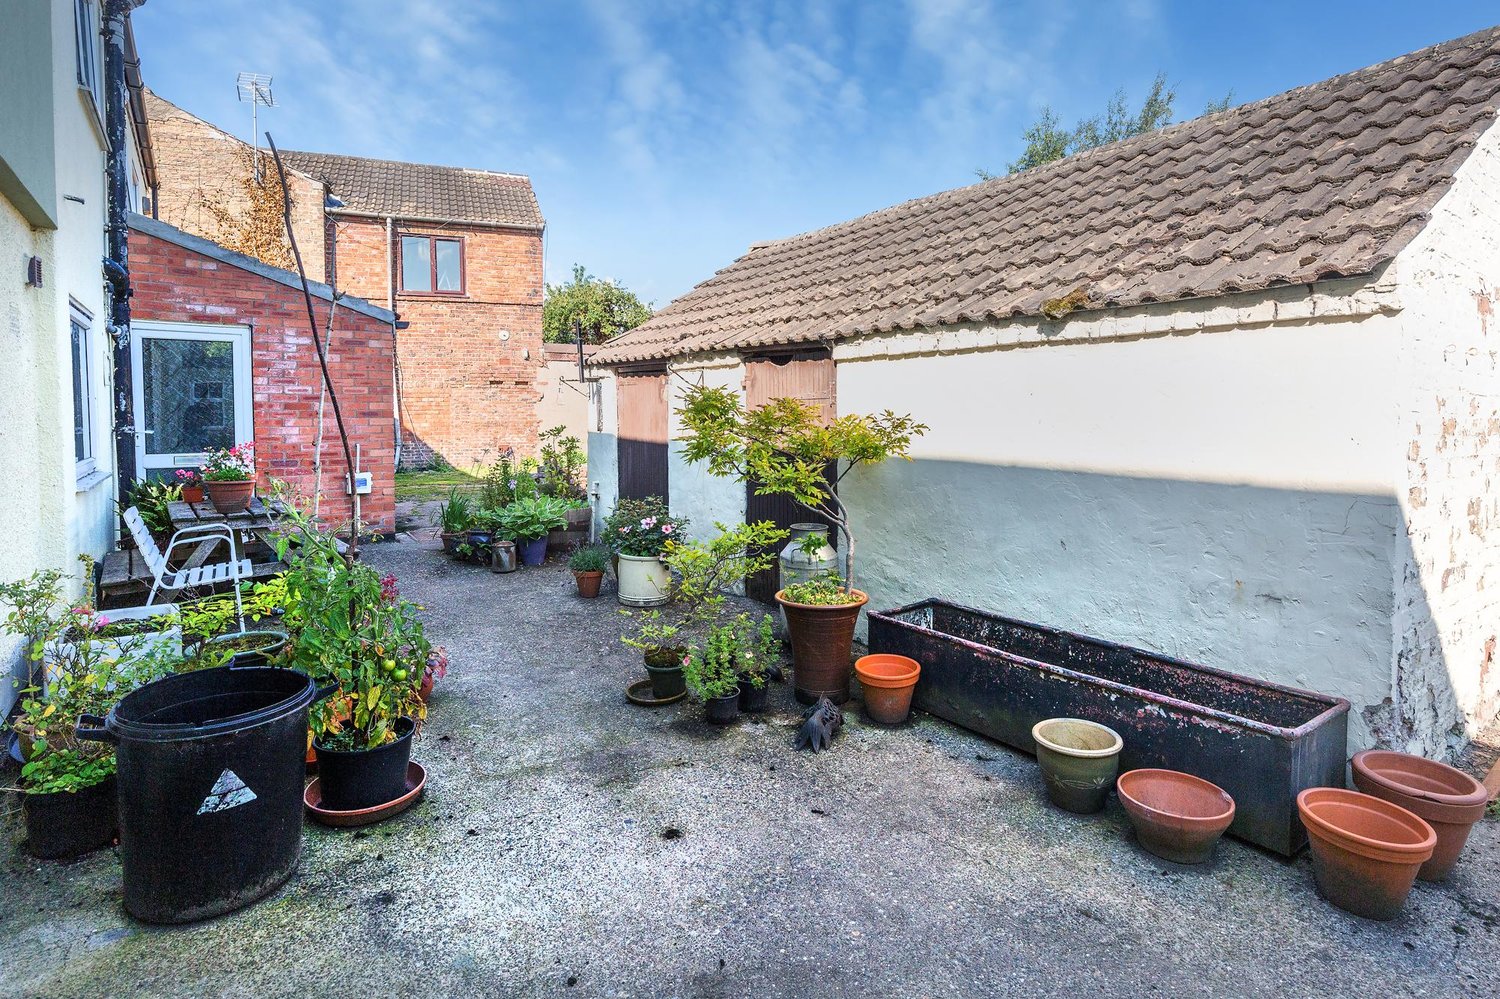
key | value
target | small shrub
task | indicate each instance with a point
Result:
(590, 558)
(826, 590)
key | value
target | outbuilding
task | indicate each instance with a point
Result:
(1226, 391)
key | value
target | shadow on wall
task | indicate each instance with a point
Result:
(1292, 586)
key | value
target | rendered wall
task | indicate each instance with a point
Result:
(1447, 623)
(1221, 497)
(604, 445)
(695, 494)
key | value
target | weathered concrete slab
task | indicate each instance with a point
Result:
(912, 862)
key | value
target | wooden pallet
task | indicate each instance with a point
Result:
(125, 581)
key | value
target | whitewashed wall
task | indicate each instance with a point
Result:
(1447, 576)
(1223, 497)
(695, 494)
(604, 448)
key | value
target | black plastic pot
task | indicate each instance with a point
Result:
(753, 699)
(68, 824)
(259, 646)
(210, 768)
(364, 778)
(666, 681)
(480, 542)
(722, 710)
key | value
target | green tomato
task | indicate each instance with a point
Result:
(388, 665)
(400, 674)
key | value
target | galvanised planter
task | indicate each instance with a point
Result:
(1261, 742)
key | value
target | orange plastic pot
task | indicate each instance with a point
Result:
(1366, 851)
(1449, 800)
(1176, 816)
(888, 682)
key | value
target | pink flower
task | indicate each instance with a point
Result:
(388, 590)
(666, 528)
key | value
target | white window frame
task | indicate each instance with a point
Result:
(239, 336)
(86, 39)
(81, 367)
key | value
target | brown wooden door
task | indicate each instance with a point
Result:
(807, 376)
(642, 406)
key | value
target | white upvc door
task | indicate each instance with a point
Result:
(192, 393)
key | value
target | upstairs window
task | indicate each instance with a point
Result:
(86, 29)
(432, 265)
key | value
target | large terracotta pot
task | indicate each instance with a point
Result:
(887, 682)
(822, 642)
(1449, 800)
(1176, 816)
(1366, 851)
(645, 581)
(230, 497)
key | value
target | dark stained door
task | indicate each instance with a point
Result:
(642, 406)
(808, 376)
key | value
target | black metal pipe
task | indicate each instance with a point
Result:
(117, 262)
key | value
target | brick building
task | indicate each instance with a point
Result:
(455, 253)
(223, 354)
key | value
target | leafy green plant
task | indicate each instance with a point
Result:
(590, 558)
(641, 527)
(150, 497)
(506, 481)
(531, 518)
(66, 770)
(562, 463)
(703, 570)
(457, 514)
(356, 632)
(826, 590)
(785, 447)
(601, 308)
(737, 648)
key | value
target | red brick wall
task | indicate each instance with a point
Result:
(173, 284)
(466, 393)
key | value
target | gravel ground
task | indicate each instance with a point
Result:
(572, 844)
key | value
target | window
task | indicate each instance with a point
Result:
(83, 404)
(432, 265)
(86, 29)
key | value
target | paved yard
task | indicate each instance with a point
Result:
(571, 844)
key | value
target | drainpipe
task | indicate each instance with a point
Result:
(117, 260)
(390, 304)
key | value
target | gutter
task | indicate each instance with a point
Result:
(434, 220)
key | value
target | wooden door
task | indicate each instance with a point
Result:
(642, 407)
(808, 376)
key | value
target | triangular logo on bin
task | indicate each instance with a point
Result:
(228, 792)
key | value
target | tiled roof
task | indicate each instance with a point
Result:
(1323, 181)
(415, 190)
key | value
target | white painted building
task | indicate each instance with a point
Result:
(1228, 391)
(57, 466)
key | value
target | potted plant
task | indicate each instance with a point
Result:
(359, 636)
(712, 673)
(589, 564)
(69, 802)
(662, 647)
(229, 477)
(191, 483)
(756, 650)
(153, 499)
(484, 528)
(638, 531)
(528, 520)
(560, 475)
(454, 520)
(786, 447)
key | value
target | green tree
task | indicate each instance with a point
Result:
(1046, 139)
(603, 308)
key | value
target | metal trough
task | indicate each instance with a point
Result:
(1259, 741)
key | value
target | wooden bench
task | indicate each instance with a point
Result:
(125, 579)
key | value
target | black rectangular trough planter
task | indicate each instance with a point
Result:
(1259, 741)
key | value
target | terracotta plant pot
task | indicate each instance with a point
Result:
(1176, 816)
(822, 642)
(230, 497)
(1366, 851)
(1079, 761)
(888, 682)
(192, 494)
(588, 583)
(1449, 800)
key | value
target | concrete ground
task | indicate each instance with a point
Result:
(573, 844)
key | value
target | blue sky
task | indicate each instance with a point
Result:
(663, 138)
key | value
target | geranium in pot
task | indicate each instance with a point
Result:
(786, 447)
(358, 635)
(638, 531)
(589, 564)
(454, 520)
(229, 477)
(190, 481)
(527, 521)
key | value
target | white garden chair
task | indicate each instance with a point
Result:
(208, 575)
